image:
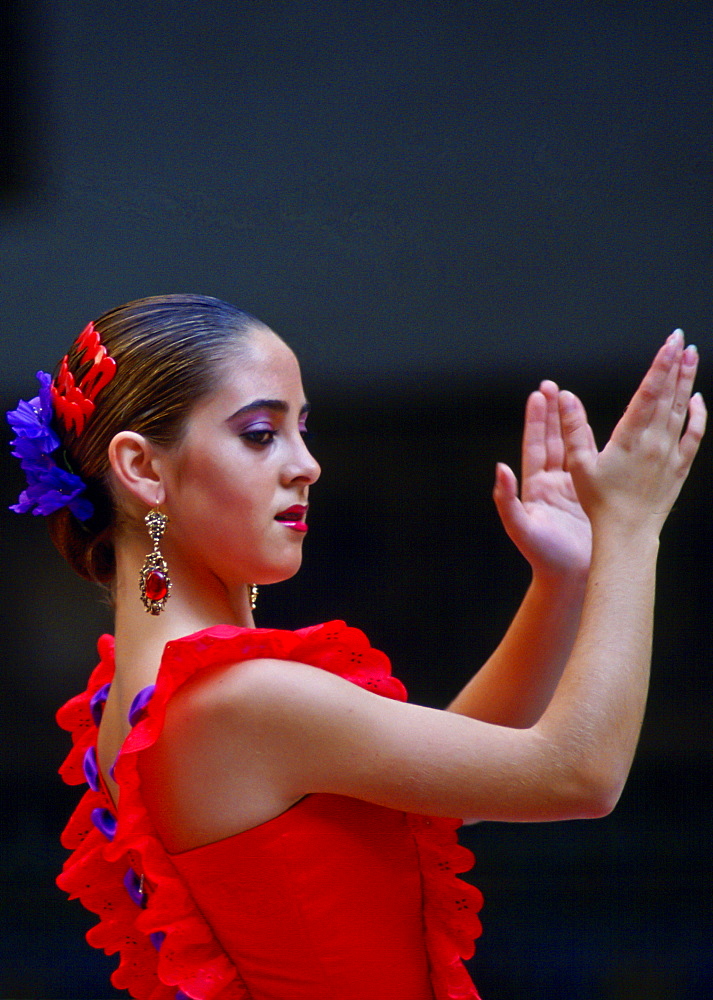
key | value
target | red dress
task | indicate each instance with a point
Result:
(334, 899)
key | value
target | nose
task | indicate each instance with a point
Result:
(302, 464)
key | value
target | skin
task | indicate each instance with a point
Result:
(221, 487)
(545, 730)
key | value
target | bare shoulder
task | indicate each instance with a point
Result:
(217, 767)
(251, 688)
(288, 712)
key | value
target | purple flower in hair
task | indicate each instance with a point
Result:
(49, 487)
(31, 423)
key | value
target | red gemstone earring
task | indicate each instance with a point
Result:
(154, 580)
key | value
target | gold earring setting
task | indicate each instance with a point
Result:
(154, 580)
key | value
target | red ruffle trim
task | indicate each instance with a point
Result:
(167, 950)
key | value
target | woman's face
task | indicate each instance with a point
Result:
(236, 485)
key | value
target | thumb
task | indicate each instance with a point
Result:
(509, 506)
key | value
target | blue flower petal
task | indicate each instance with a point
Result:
(81, 508)
(49, 488)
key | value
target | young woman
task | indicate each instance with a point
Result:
(267, 818)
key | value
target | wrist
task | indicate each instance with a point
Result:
(625, 537)
(572, 577)
(565, 585)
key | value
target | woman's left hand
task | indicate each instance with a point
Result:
(546, 521)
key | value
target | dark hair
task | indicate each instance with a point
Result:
(168, 350)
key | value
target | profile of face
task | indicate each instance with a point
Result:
(236, 485)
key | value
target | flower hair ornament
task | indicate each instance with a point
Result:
(74, 404)
(51, 484)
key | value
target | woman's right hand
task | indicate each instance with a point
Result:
(634, 481)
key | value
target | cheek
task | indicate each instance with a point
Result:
(219, 486)
(234, 491)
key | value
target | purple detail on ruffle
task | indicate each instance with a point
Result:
(157, 939)
(105, 822)
(139, 704)
(96, 705)
(132, 884)
(91, 769)
(180, 995)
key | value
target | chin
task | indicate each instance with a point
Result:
(278, 574)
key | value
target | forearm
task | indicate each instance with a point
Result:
(515, 685)
(595, 715)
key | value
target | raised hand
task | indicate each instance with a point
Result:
(546, 522)
(635, 480)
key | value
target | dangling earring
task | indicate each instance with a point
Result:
(154, 580)
(252, 594)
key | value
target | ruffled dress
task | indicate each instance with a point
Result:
(334, 899)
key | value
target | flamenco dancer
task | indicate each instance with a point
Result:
(267, 817)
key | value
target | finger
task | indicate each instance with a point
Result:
(667, 399)
(653, 399)
(576, 432)
(697, 417)
(505, 483)
(591, 442)
(534, 451)
(510, 508)
(554, 445)
(684, 387)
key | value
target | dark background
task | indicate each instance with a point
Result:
(437, 205)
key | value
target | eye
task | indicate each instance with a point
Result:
(259, 437)
(305, 434)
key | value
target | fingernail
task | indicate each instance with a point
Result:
(690, 355)
(673, 342)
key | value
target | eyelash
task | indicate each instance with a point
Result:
(263, 438)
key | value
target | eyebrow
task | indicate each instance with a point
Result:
(277, 405)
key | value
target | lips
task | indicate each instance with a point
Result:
(294, 517)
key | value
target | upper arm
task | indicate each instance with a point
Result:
(316, 732)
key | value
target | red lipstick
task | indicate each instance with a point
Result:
(294, 517)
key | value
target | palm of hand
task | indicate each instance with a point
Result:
(547, 522)
(556, 535)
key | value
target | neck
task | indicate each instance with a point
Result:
(192, 606)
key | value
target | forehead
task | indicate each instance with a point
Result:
(263, 351)
(262, 366)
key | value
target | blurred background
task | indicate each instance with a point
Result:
(437, 205)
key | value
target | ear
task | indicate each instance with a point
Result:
(136, 465)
